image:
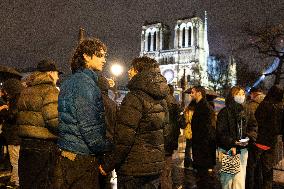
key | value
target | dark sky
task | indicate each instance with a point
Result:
(32, 30)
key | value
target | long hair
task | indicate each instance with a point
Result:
(89, 47)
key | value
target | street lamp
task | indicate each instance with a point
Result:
(116, 70)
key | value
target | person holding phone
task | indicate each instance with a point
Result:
(235, 130)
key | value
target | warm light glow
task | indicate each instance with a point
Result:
(116, 69)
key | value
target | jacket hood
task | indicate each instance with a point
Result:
(38, 78)
(151, 82)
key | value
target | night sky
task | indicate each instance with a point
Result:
(32, 30)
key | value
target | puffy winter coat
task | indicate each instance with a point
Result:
(139, 134)
(82, 127)
(37, 108)
(227, 125)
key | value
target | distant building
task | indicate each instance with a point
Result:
(189, 54)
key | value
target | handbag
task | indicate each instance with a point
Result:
(231, 164)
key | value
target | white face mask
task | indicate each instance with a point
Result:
(239, 99)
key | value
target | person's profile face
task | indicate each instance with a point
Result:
(96, 61)
(194, 93)
(131, 73)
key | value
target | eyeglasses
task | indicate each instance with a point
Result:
(100, 55)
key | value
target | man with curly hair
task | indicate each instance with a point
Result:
(82, 131)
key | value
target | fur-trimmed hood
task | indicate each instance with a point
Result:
(151, 82)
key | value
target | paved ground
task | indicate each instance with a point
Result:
(184, 179)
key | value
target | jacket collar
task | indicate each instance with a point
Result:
(90, 73)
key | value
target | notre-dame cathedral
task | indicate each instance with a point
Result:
(190, 50)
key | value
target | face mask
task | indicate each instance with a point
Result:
(239, 99)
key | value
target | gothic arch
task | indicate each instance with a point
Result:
(151, 33)
(186, 34)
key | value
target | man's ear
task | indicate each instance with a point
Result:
(86, 57)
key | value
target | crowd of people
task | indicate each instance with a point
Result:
(75, 136)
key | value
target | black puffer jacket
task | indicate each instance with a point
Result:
(139, 135)
(37, 106)
(228, 120)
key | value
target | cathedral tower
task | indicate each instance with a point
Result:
(154, 37)
(189, 54)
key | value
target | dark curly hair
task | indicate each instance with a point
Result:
(144, 63)
(89, 47)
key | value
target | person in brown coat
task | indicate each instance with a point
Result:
(38, 122)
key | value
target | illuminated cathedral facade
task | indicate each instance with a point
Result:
(189, 54)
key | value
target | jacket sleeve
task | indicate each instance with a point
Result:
(128, 118)
(50, 110)
(224, 140)
(89, 111)
(207, 125)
